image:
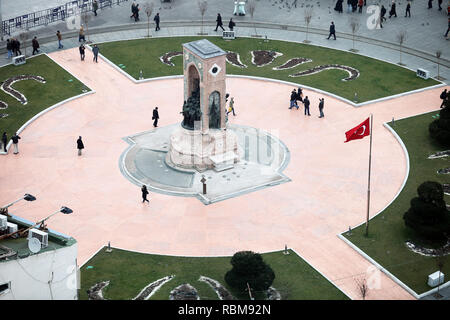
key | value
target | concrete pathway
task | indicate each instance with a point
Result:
(327, 194)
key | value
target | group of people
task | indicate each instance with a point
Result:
(352, 5)
(15, 140)
(135, 14)
(13, 47)
(298, 96)
(219, 23)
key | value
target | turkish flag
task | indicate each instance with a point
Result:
(358, 132)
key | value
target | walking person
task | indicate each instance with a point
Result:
(136, 13)
(360, 5)
(349, 6)
(82, 49)
(439, 4)
(16, 47)
(4, 141)
(156, 19)
(95, 51)
(338, 6)
(332, 31)
(382, 15)
(231, 107)
(35, 45)
(95, 7)
(9, 47)
(231, 24)
(155, 117)
(59, 36)
(299, 95)
(443, 96)
(321, 105)
(80, 145)
(393, 11)
(144, 193)
(15, 139)
(306, 103)
(81, 34)
(219, 22)
(133, 7)
(408, 9)
(430, 4)
(448, 28)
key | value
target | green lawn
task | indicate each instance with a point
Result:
(377, 79)
(40, 95)
(387, 231)
(130, 272)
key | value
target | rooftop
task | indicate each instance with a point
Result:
(18, 248)
(205, 49)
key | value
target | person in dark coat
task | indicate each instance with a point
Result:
(448, 28)
(95, 51)
(15, 139)
(9, 47)
(306, 104)
(293, 99)
(393, 11)
(155, 117)
(430, 4)
(133, 8)
(382, 15)
(144, 193)
(332, 31)
(338, 6)
(16, 47)
(35, 45)
(231, 24)
(219, 22)
(82, 49)
(299, 95)
(408, 9)
(439, 4)
(4, 141)
(156, 19)
(136, 13)
(80, 145)
(95, 7)
(321, 105)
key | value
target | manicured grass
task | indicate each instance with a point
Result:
(377, 79)
(387, 232)
(40, 95)
(130, 272)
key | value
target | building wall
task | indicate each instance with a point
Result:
(30, 276)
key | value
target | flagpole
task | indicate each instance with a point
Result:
(368, 183)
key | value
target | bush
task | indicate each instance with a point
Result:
(249, 267)
(440, 129)
(428, 215)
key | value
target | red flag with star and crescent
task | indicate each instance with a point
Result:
(358, 132)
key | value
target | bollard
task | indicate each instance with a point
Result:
(285, 249)
(356, 97)
(140, 75)
(109, 247)
(393, 122)
(349, 230)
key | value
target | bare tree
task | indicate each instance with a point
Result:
(308, 17)
(23, 38)
(440, 265)
(362, 287)
(251, 9)
(85, 17)
(148, 8)
(354, 26)
(401, 37)
(202, 7)
(438, 56)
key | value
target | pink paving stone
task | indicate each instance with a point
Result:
(327, 193)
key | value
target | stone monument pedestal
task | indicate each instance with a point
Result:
(191, 149)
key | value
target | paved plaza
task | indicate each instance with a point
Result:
(328, 178)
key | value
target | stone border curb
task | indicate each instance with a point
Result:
(367, 257)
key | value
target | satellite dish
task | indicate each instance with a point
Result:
(34, 245)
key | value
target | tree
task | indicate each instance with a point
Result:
(148, 12)
(85, 17)
(440, 128)
(401, 37)
(428, 216)
(438, 56)
(308, 17)
(363, 288)
(202, 6)
(251, 5)
(249, 267)
(354, 26)
(23, 38)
